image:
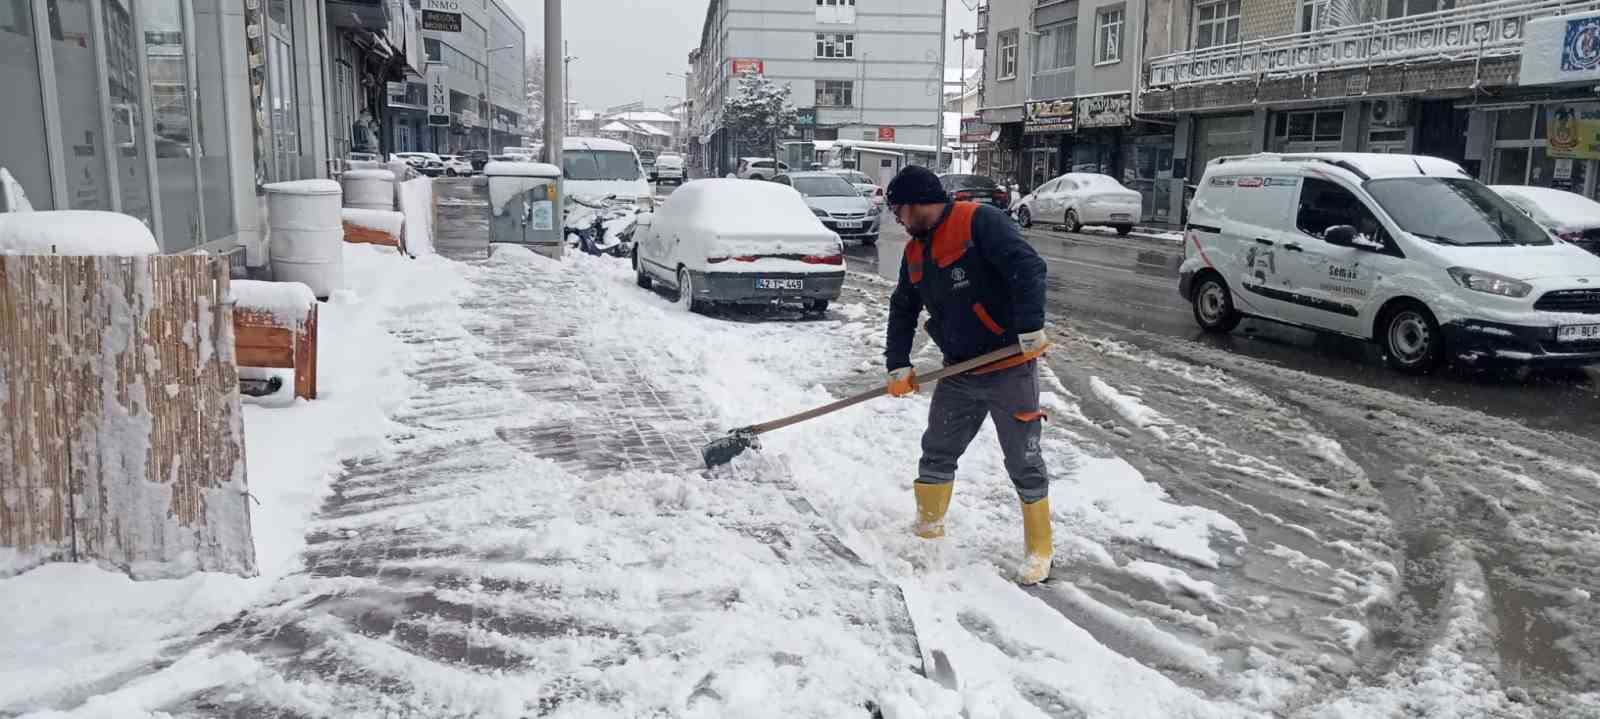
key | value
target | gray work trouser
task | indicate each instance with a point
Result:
(1009, 396)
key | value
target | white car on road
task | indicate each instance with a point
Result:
(837, 203)
(737, 241)
(456, 166)
(759, 168)
(1571, 216)
(869, 189)
(1082, 198)
(1406, 251)
(670, 168)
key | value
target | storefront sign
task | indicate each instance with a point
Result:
(742, 65)
(442, 5)
(438, 97)
(885, 134)
(441, 21)
(805, 116)
(1564, 48)
(1574, 130)
(1047, 116)
(974, 130)
(1105, 111)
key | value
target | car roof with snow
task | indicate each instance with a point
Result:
(728, 206)
(595, 143)
(1364, 165)
(1556, 205)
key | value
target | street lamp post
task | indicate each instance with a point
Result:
(488, 102)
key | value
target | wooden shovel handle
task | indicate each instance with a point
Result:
(934, 376)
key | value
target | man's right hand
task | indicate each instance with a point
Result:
(902, 381)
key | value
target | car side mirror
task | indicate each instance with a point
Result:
(1341, 235)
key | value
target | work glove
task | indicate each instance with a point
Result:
(1033, 343)
(902, 381)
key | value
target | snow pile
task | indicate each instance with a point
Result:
(416, 203)
(387, 222)
(74, 232)
(12, 197)
(70, 627)
(287, 302)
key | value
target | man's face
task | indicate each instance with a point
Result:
(918, 219)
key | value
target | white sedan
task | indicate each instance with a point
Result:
(1080, 198)
(1571, 216)
(858, 179)
(739, 241)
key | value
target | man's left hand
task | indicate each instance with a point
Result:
(1033, 343)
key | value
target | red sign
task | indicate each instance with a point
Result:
(885, 134)
(742, 65)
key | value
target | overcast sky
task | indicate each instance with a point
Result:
(625, 55)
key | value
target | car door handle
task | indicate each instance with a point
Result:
(1263, 241)
(1292, 247)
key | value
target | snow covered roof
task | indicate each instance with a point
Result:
(616, 127)
(891, 146)
(520, 169)
(650, 129)
(644, 116)
(594, 143)
(74, 232)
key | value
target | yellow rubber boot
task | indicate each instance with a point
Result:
(1036, 539)
(932, 501)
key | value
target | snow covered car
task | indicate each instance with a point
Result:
(1082, 198)
(1406, 251)
(426, 163)
(1571, 216)
(837, 203)
(596, 168)
(737, 241)
(669, 168)
(976, 188)
(455, 166)
(869, 189)
(759, 168)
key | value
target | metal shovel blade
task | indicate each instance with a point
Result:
(722, 450)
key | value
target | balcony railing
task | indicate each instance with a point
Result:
(1051, 84)
(1483, 30)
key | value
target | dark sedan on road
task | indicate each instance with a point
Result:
(976, 188)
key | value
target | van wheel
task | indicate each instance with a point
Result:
(1410, 338)
(1213, 306)
(1024, 217)
(1073, 225)
(643, 278)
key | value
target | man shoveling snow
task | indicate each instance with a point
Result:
(984, 289)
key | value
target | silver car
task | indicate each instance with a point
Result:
(841, 207)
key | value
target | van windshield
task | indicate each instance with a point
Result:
(1454, 211)
(599, 165)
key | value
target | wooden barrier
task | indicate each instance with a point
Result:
(121, 436)
(275, 325)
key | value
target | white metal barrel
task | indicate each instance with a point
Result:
(306, 234)
(369, 189)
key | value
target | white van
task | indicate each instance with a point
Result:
(593, 168)
(1403, 250)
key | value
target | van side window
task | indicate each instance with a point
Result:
(1324, 204)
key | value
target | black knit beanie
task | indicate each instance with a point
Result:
(916, 185)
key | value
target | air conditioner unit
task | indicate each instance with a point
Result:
(1390, 112)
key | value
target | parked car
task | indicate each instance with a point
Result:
(1571, 216)
(597, 168)
(456, 166)
(839, 205)
(1081, 198)
(426, 163)
(647, 160)
(759, 168)
(1405, 251)
(735, 241)
(478, 158)
(976, 188)
(670, 168)
(869, 189)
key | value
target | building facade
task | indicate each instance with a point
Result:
(1058, 89)
(865, 70)
(484, 74)
(1504, 89)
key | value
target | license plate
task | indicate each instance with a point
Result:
(766, 284)
(849, 225)
(1578, 333)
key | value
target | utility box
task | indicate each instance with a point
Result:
(525, 205)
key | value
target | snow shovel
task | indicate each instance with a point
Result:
(723, 449)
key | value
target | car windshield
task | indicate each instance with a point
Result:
(599, 165)
(855, 177)
(1454, 211)
(965, 182)
(824, 187)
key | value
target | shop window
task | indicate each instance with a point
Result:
(1308, 131)
(1216, 23)
(166, 68)
(23, 150)
(127, 119)
(211, 139)
(78, 96)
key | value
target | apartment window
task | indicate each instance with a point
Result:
(836, 45)
(1006, 61)
(1108, 37)
(1216, 23)
(1407, 8)
(430, 48)
(1313, 15)
(1058, 47)
(835, 93)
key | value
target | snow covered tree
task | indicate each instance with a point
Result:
(533, 88)
(758, 114)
